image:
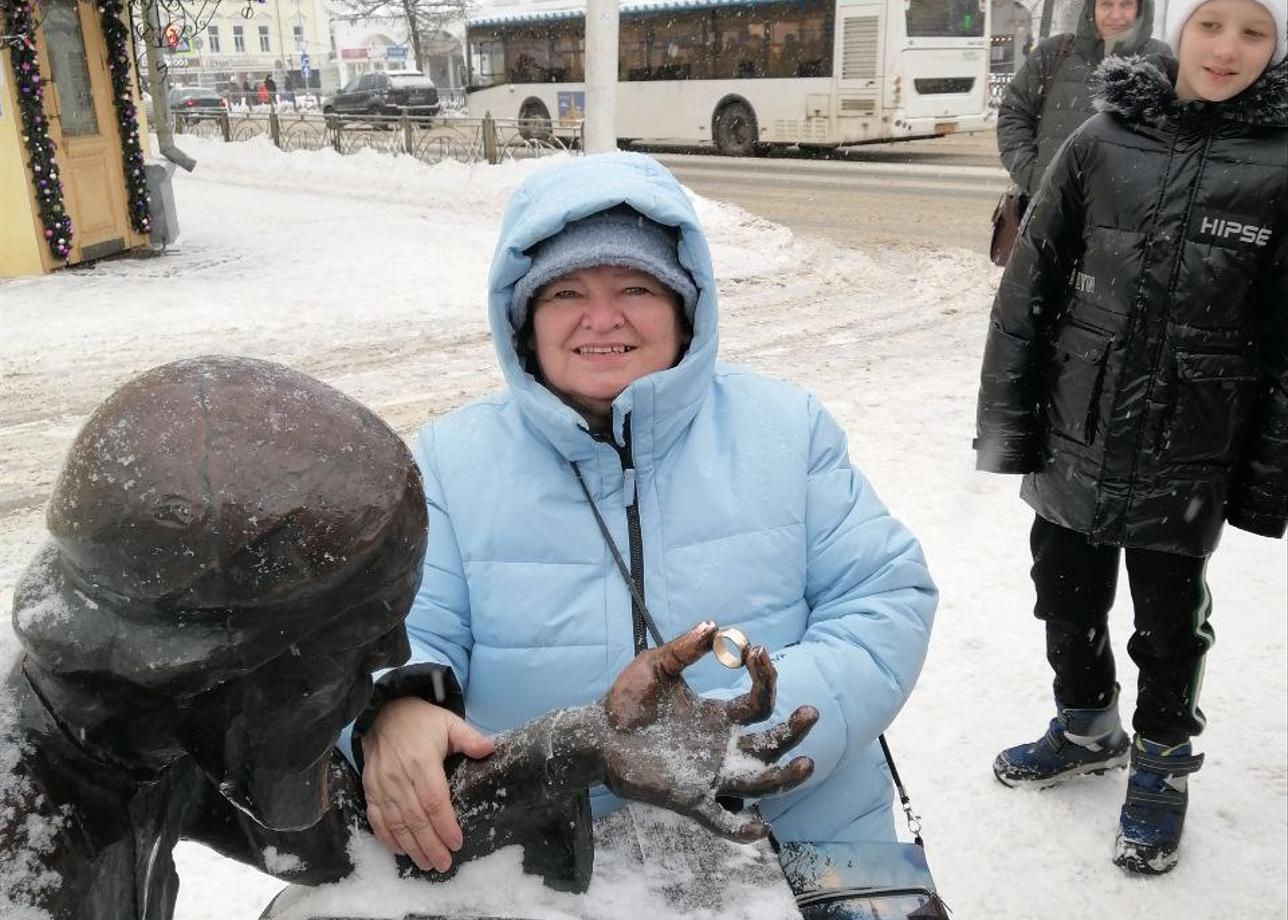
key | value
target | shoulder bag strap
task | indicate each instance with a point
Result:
(1061, 52)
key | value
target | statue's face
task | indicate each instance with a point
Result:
(266, 739)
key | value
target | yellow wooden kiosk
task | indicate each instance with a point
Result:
(72, 182)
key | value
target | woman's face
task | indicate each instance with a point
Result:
(1225, 46)
(597, 330)
(1114, 17)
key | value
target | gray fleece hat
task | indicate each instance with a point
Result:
(619, 236)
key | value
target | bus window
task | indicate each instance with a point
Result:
(487, 59)
(568, 65)
(632, 37)
(527, 56)
(679, 47)
(800, 40)
(742, 49)
(944, 18)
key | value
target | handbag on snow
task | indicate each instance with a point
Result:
(1011, 206)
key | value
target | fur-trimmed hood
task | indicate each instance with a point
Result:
(1143, 89)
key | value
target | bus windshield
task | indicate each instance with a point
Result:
(944, 18)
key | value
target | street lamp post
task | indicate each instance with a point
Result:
(601, 75)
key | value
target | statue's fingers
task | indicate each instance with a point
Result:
(685, 650)
(758, 702)
(770, 781)
(774, 742)
(743, 827)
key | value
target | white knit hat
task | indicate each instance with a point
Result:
(1180, 11)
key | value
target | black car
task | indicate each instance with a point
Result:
(385, 93)
(196, 101)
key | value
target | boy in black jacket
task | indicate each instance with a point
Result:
(1136, 370)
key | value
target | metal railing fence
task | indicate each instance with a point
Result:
(431, 140)
(997, 84)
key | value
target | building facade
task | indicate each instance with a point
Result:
(238, 45)
(313, 46)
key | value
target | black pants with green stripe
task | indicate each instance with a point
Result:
(1076, 581)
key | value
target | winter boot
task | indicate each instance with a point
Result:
(1149, 830)
(1077, 741)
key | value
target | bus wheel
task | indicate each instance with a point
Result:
(735, 130)
(534, 120)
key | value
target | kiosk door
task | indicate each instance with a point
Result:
(83, 126)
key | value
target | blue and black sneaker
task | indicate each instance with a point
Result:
(1077, 741)
(1149, 829)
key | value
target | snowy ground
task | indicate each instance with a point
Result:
(368, 272)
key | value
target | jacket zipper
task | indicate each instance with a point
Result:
(633, 533)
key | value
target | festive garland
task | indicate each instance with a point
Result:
(117, 35)
(35, 127)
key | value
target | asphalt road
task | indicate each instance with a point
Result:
(909, 195)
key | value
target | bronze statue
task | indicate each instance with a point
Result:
(234, 548)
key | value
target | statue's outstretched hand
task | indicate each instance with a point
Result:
(666, 746)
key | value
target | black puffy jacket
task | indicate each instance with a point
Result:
(1028, 143)
(1137, 359)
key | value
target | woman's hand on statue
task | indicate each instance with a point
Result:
(669, 747)
(408, 803)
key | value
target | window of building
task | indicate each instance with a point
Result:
(239, 40)
(212, 36)
(263, 39)
(297, 33)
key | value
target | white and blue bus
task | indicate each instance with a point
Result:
(744, 74)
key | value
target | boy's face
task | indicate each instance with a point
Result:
(1114, 17)
(1225, 46)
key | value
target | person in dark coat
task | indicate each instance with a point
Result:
(271, 85)
(1136, 371)
(1029, 132)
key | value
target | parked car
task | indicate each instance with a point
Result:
(196, 101)
(385, 93)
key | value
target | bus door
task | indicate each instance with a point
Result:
(860, 53)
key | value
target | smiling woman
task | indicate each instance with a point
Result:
(623, 488)
(605, 303)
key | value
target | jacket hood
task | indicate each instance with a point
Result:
(1143, 90)
(1130, 42)
(662, 403)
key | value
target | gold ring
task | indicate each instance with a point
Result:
(720, 646)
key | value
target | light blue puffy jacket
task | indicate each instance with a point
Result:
(750, 514)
